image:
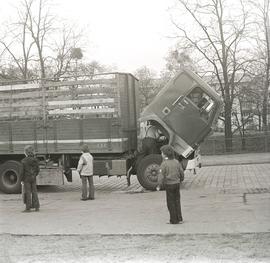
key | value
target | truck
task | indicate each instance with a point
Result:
(102, 111)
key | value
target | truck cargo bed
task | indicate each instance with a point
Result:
(58, 117)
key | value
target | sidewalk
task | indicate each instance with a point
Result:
(232, 159)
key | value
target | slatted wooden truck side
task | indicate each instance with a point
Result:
(58, 117)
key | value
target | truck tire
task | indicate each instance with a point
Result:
(148, 169)
(10, 177)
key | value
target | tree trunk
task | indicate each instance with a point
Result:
(42, 68)
(243, 140)
(228, 127)
(265, 105)
(260, 122)
(243, 143)
(264, 115)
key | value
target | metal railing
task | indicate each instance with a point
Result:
(248, 144)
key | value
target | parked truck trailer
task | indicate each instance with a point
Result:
(57, 117)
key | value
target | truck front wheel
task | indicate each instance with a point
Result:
(147, 171)
(10, 177)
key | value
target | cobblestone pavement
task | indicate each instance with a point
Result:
(230, 178)
(224, 179)
(217, 199)
(225, 208)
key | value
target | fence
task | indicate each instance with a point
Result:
(256, 143)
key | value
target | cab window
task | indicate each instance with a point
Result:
(202, 101)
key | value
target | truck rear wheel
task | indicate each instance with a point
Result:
(10, 177)
(148, 169)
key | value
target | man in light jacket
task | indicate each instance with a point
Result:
(85, 169)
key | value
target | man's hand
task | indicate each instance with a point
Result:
(158, 188)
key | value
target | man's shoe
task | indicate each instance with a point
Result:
(181, 222)
(37, 209)
(83, 199)
(91, 198)
(26, 211)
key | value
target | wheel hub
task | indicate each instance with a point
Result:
(10, 178)
(151, 172)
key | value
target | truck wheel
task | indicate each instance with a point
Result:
(148, 169)
(10, 177)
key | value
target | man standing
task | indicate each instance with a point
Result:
(171, 174)
(85, 169)
(29, 172)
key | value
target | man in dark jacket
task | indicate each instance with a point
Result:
(149, 142)
(29, 173)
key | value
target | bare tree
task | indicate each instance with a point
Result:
(254, 92)
(17, 38)
(244, 110)
(261, 37)
(177, 59)
(148, 88)
(40, 25)
(37, 44)
(92, 68)
(216, 36)
(61, 60)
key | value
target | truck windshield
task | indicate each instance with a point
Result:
(202, 101)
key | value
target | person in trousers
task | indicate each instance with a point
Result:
(149, 142)
(85, 169)
(30, 170)
(170, 176)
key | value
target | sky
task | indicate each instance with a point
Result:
(127, 34)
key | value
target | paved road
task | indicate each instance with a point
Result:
(218, 199)
(226, 219)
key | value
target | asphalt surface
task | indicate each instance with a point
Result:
(225, 206)
(217, 199)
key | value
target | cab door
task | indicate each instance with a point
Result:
(187, 115)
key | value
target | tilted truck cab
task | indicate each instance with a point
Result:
(186, 108)
(102, 111)
(184, 111)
